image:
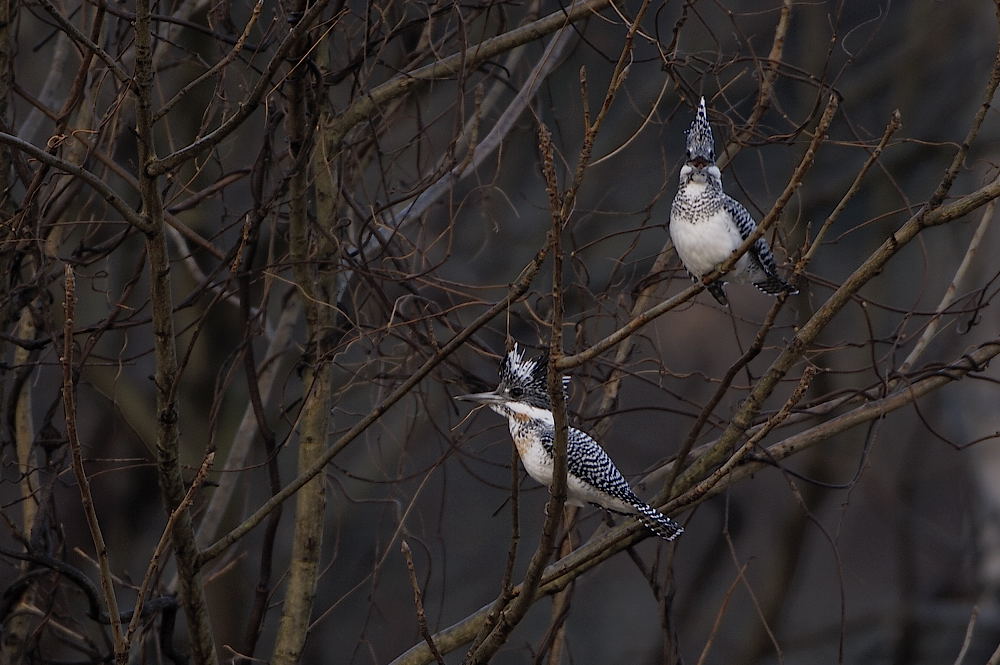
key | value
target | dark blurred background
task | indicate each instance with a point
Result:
(878, 545)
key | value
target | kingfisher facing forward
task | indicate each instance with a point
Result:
(522, 397)
(707, 225)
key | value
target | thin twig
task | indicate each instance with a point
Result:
(967, 641)
(366, 105)
(418, 601)
(768, 73)
(161, 546)
(949, 294)
(217, 67)
(83, 482)
(242, 440)
(249, 104)
(74, 33)
(719, 614)
(546, 64)
(115, 201)
(895, 122)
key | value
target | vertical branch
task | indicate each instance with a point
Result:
(768, 75)
(310, 501)
(948, 299)
(561, 205)
(554, 507)
(161, 547)
(418, 602)
(17, 628)
(559, 211)
(8, 27)
(171, 483)
(591, 129)
(561, 600)
(24, 434)
(86, 498)
(508, 618)
(506, 584)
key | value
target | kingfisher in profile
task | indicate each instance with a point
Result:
(523, 398)
(707, 225)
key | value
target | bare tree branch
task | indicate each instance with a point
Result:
(116, 202)
(263, 85)
(361, 182)
(606, 545)
(82, 480)
(167, 374)
(516, 291)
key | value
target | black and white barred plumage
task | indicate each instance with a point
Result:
(707, 225)
(522, 397)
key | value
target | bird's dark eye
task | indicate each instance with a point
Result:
(516, 392)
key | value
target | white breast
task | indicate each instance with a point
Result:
(538, 463)
(702, 245)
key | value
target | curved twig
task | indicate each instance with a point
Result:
(86, 497)
(98, 185)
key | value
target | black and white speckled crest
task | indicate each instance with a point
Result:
(700, 144)
(525, 379)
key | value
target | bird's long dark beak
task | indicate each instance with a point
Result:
(486, 398)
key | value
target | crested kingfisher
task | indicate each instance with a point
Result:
(707, 225)
(522, 398)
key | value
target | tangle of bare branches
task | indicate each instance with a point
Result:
(251, 250)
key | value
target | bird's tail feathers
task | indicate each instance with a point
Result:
(715, 288)
(658, 523)
(773, 285)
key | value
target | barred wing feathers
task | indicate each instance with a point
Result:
(764, 271)
(588, 461)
